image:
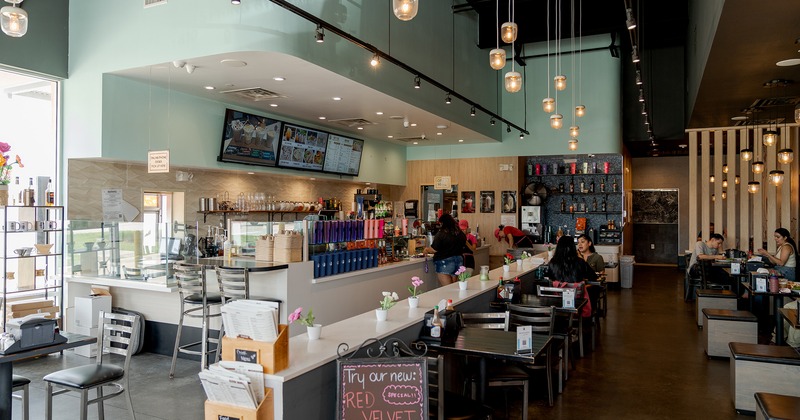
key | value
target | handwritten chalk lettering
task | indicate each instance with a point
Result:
(402, 395)
(359, 400)
(389, 415)
(221, 417)
(355, 377)
(246, 356)
(402, 376)
(377, 376)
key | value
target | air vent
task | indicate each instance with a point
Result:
(151, 3)
(255, 94)
(775, 102)
(419, 138)
(352, 122)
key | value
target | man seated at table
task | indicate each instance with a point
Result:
(513, 236)
(709, 250)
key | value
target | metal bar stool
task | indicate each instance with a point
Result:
(191, 279)
(234, 284)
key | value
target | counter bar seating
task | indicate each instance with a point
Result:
(113, 336)
(235, 284)
(191, 279)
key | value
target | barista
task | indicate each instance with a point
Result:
(513, 236)
(469, 246)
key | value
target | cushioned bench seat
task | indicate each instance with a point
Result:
(762, 368)
(715, 299)
(722, 326)
(776, 407)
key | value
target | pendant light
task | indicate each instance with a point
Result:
(747, 153)
(556, 121)
(513, 80)
(776, 177)
(758, 167)
(497, 56)
(580, 111)
(574, 131)
(724, 195)
(559, 81)
(786, 155)
(724, 169)
(770, 137)
(753, 187)
(548, 103)
(14, 19)
(508, 31)
(573, 144)
(405, 10)
(711, 180)
(724, 183)
(737, 180)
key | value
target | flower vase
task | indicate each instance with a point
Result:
(462, 285)
(519, 265)
(3, 194)
(381, 314)
(314, 331)
(413, 302)
(506, 269)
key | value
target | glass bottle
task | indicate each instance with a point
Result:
(49, 194)
(571, 186)
(16, 193)
(582, 184)
(603, 185)
(603, 205)
(614, 185)
(436, 323)
(594, 204)
(563, 205)
(591, 186)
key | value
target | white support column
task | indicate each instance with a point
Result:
(692, 188)
(705, 190)
(731, 191)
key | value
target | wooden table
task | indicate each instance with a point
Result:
(777, 305)
(7, 369)
(790, 315)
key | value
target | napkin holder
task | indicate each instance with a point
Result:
(451, 323)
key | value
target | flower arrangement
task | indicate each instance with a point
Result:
(389, 299)
(415, 282)
(508, 259)
(6, 165)
(525, 255)
(297, 315)
(462, 273)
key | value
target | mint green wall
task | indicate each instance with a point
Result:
(601, 128)
(43, 49)
(184, 29)
(138, 117)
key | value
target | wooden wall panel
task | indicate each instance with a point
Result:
(732, 192)
(744, 201)
(718, 203)
(692, 189)
(771, 208)
(705, 188)
(758, 198)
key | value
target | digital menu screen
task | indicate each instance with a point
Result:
(343, 155)
(302, 148)
(249, 139)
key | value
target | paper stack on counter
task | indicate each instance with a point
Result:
(252, 319)
(234, 383)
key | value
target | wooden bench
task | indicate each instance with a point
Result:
(714, 299)
(762, 368)
(776, 407)
(722, 326)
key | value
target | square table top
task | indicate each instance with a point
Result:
(496, 344)
(73, 340)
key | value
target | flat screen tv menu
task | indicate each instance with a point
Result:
(343, 155)
(249, 138)
(302, 148)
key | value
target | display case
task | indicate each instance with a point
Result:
(33, 263)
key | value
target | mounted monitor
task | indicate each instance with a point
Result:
(343, 155)
(302, 148)
(249, 139)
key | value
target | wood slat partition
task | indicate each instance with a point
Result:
(732, 190)
(705, 189)
(744, 201)
(771, 209)
(788, 137)
(718, 203)
(692, 189)
(758, 198)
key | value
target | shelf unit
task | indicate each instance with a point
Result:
(270, 213)
(37, 275)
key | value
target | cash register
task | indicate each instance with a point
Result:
(30, 332)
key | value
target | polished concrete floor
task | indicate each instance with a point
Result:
(648, 364)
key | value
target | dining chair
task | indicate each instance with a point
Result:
(490, 320)
(542, 322)
(565, 328)
(21, 383)
(193, 292)
(444, 405)
(705, 270)
(690, 283)
(117, 334)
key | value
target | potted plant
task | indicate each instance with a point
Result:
(314, 330)
(389, 299)
(524, 258)
(463, 275)
(6, 164)
(413, 300)
(507, 259)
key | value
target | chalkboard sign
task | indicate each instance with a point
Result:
(246, 356)
(382, 389)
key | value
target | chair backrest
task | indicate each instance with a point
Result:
(436, 386)
(117, 334)
(191, 279)
(541, 318)
(549, 291)
(234, 283)
(489, 320)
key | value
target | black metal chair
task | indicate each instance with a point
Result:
(444, 405)
(21, 383)
(690, 283)
(117, 334)
(542, 321)
(705, 270)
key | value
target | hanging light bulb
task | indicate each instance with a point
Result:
(497, 58)
(776, 177)
(737, 180)
(548, 105)
(556, 121)
(724, 169)
(560, 82)
(785, 156)
(405, 10)
(513, 81)
(724, 183)
(14, 19)
(758, 167)
(580, 111)
(508, 32)
(711, 180)
(713, 197)
(752, 187)
(635, 54)
(747, 154)
(770, 138)
(574, 131)
(724, 195)
(375, 60)
(573, 144)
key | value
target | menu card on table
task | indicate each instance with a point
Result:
(524, 339)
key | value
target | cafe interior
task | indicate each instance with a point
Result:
(305, 152)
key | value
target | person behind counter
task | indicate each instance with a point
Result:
(785, 258)
(513, 236)
(469, 246)
(447, 247)
(587, 252)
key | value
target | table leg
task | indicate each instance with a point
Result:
(777, 303)
(6, 369)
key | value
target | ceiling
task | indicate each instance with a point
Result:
(749, 40)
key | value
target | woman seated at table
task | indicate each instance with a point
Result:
(567, 269)
(447, 246)
(587, 252)
(785, 258)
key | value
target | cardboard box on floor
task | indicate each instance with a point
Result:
(265, 411)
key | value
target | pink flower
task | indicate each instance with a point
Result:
(4, 147)
(461, 269)
(294, 316)
(416, 281)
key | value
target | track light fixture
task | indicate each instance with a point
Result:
(635, 54)
(630, 22)
(320, 35)
(236, 2)
(638, 77)
(492, 122)
(472, 112)
(416, 82)
(521, 136)
(447, 99)
(641, 95)
(508, 129)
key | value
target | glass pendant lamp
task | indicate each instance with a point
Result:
(497, 58)
(513, 81)
(14, 19)
(560, 82)
(776, 177)
(574, 131)
(580, 111)
(785, 156)
(548, 105)
(758, 167)
(753, 187)
(405, 9)
(746, 154)
(508, 32)
(573, 144)
(556, 121)
(770, 138)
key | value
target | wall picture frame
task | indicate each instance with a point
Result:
(468, 202)
(487, 201)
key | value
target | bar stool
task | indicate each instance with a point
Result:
(235, 284)
(21, 383)
(191, 279)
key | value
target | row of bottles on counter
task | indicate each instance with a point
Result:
(567, 169)
(27, 196)
(345, 261)
(584, 188)
(331, 231)
(582, 207)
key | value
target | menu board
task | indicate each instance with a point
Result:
(382, 388)
(249, 138)
(343, 155)
(302, 148)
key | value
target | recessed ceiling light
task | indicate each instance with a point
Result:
(312, 179)
(789, 62)
(391, 137)
(232, 63)
(379, 113)
(461, 140)
(336, 98)
(360, 128)
(683, 146)
(413, 124)
(251, 173)
(416, 142)
(209, 87)
(367, 183)
(273, 105)
(278, 78)
(441, 126)
(322, 118)
(439, 134)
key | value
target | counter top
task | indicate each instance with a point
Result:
(238, 262)
(124, 283)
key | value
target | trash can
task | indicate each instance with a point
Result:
(626, 269)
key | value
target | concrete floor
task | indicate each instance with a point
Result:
(648, 364)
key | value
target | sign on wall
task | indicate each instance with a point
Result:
(382, 389)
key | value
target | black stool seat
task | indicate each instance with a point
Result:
(777, 407)
(197, 298)
(17, 380)
(729, 315)
(87, 376)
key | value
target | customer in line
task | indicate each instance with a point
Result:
(785, 258)
(708, 251)
(470, 246)
(446, 248)
(513, 236)
(587, 252)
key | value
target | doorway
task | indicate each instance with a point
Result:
(655, 226)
